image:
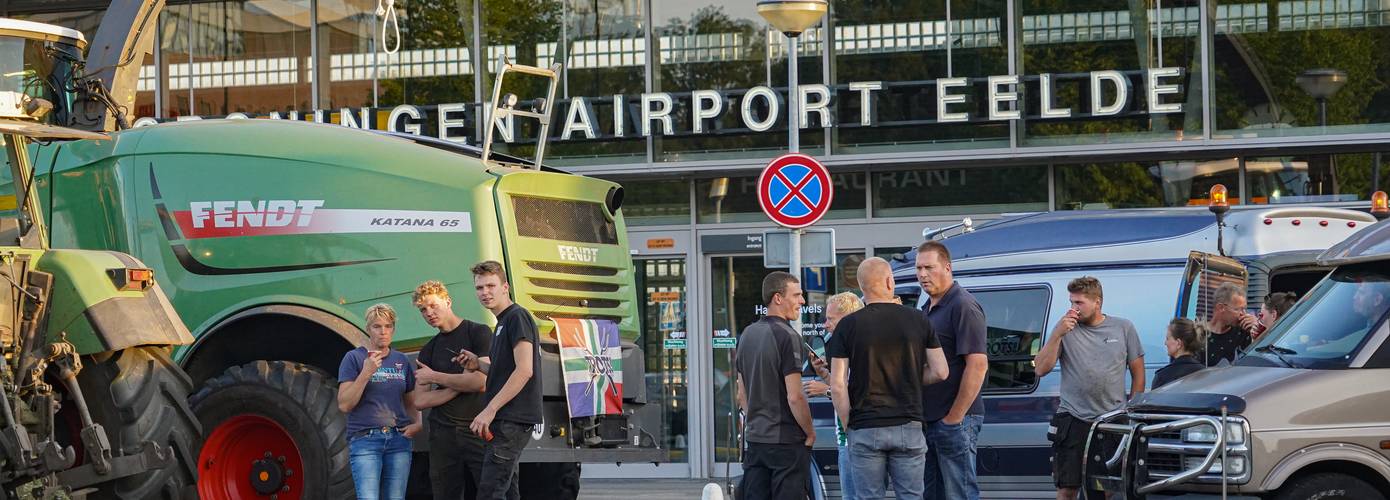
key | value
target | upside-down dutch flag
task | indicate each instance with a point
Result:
(591, 356)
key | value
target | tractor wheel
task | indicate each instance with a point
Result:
(139, 395)
(273, 428)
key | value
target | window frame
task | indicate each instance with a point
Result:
(985, 390)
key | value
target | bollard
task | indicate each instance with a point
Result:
(712, 492)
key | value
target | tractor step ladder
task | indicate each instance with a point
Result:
(504, 107)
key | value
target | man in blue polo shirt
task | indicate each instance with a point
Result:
(952, 410)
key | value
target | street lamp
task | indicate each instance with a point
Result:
(1322, 84)
(792, 17)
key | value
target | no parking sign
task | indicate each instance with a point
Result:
(794, 190)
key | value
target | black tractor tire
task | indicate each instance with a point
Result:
(301, 399)
(549, 481)
(1328, 486)
(139, 395)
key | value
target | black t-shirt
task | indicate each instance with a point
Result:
(768, 351)
(513, 326)
(885, 344)
(1225, 345)
(438, 354)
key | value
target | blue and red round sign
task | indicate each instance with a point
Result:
(795, 191)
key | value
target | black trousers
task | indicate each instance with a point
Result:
(456, 462)
(1068, 451)
(775, 471)
(502, 457)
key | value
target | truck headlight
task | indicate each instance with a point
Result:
(1235, 434)
(1236, 465)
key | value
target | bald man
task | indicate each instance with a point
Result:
(888, 350)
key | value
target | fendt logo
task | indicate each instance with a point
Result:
(224, 219)
(243, 213)
(573, 253)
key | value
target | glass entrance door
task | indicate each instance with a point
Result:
(735, 303)
(663, 304)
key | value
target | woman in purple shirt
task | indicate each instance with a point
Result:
(375, 391)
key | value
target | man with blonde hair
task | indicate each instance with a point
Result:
(456, 454)
(836, 307)
(1094, 349)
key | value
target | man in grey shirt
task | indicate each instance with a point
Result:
(1094, 349)
(777, 422)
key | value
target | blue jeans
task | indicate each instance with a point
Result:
(950, 470)
(846, 473)
(898, 452)
(380, 464)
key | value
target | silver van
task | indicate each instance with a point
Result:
(1304, 415)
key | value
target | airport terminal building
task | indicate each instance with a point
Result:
(925, 111)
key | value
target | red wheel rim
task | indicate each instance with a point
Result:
(250, 456)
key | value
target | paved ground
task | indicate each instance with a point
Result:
(648, 489)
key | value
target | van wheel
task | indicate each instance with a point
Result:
(1328, 486)
(273, 428)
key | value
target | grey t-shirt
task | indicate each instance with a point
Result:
(1094, 362)
(768, 351)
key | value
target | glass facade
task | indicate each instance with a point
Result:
(1267, 60)
(913, 48)
(735, 199)
(709, 76)
(1072, 41)
(951, 191)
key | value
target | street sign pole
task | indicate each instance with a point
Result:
(795, 191)
(794, 146)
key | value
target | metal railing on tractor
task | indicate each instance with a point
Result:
(503, 107)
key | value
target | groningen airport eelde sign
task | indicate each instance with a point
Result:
(1097, 94)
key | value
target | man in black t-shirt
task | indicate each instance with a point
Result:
(777, 425)
(513, 384)
(1230, 326)
(880, 357)
(456, 454)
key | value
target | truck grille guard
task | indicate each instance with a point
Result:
(1139, 433)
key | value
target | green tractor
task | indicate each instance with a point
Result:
(271, 237)
(91, 403)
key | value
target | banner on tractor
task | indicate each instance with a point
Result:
(591, 356)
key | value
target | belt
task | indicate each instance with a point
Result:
(383, 429)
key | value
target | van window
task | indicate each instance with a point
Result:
(1015, 319)
(1327, 329)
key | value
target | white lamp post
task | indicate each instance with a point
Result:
(792, 17)
(1322, 84)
